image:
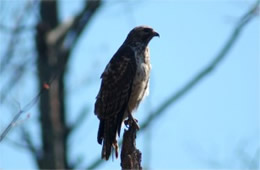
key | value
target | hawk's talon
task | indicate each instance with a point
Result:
(126, 122)
(134, 123)
(131, 121)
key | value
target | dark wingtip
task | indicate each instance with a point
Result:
(99, 140)
(105, 157)
(106, 151)
(100, 135)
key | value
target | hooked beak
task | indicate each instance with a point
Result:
(156, 34)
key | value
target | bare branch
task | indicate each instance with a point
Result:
(26, 108)
(25, 135)
(15, 143)
(67, 33)
(7, 56)
(131, 157)
(80, 119)
(81, 21)
(20, 29)
(14, 79)
(29, 144)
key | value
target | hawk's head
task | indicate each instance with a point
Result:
(141, 34)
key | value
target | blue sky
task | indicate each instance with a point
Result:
(214, 126)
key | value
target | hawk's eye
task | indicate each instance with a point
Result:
(146, 30)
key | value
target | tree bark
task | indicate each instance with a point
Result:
(53, 56)
(52, 109)
(131, 157)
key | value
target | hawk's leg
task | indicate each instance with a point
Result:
(131, 121)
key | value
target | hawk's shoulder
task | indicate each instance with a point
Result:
(124, 55)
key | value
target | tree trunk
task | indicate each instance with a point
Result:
(52, 109)
(53, 55)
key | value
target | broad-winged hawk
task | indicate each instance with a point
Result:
(125, 82)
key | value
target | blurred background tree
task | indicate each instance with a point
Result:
(54, 52)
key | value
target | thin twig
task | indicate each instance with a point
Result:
(26, 108)
(8, 55)
(13, 81)
(79, 120)
(28, 140)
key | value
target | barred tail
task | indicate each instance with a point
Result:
(107, 135)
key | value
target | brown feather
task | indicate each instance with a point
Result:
(113, 97)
